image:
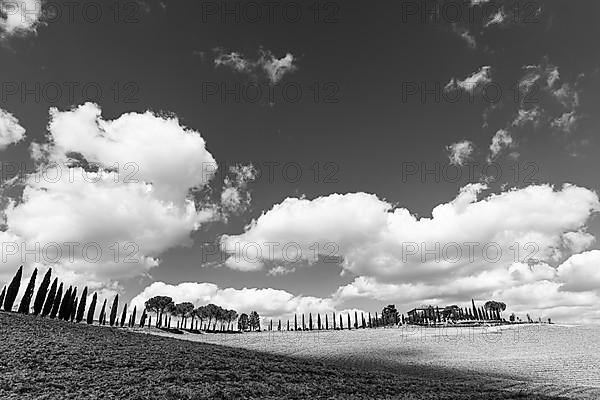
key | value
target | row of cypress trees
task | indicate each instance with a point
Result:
(362, 323)
(65, 306)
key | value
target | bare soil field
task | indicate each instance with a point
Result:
(49, 359)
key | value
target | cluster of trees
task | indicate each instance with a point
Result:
(54, 301)
(201, 318)
(491, 310)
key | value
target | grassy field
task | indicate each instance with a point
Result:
(48, 359)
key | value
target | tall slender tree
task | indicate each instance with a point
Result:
(333, 320)
(13, 290)
(355, 320)
(341, 324)
(72, 305)
(92, 310)
(38, 303)
(81, 307)
(303, 326)
(2, 296)
(123, 315)
(56, 302)
(65, 304)
(113, 310)
(310, 325)
(143, 319)
(326, 322)
(295, 322)
(319, 321)
(133, 316)
(50, 299)
(349, 323)
(74, 309)
(102, 319)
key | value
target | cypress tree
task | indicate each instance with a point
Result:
(355, 320)
(81, 307)
(26, 300)
(326, 322)
(103, 313)
(370, 322)
(341, 324)
(13, 290)
(50, 299)
(295, 322)
(349, 322)
(310, 326)
(72, 305)
(38, 303)
(143, 319)
(133, 316)
(319, 321)
(56, 303)
(92, 310)
(279, 325)
(303, 326)
(333, 320)
(66, 303)
(2, 296)
(74, 309)
(113, 310)
(474, 308)
(364, 324)
(288, 325)
(124, 315)
(376, 320)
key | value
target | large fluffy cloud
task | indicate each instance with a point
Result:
(497, 246)
(463, 236)
(108, 197)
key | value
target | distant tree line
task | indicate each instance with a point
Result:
(53, 300)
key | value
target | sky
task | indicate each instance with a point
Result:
(297, 157)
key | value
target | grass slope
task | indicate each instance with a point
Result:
(48, 359)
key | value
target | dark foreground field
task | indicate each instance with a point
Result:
(49, 359)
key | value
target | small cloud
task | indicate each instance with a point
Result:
(566, 122)
(19, 18)
(10, 130)
(460, 152)
(501, 140)
(473, 82)
(465, 35)
(235, 197)
(280, 271)
(273, 68)
(497, 18)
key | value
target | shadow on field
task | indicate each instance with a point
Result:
(49, 359)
